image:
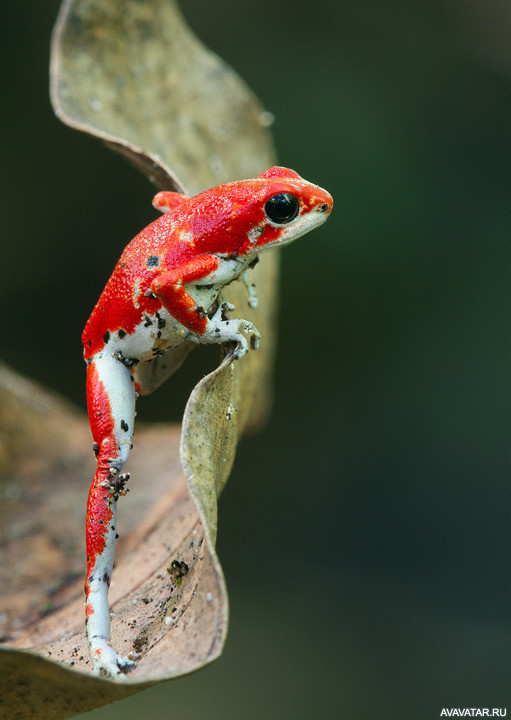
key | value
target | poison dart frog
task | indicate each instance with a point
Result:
(164, 295)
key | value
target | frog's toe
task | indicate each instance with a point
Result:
(107, 662)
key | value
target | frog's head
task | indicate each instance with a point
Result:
(283, 206)
(248, 216)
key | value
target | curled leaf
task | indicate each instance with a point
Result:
(132, 74)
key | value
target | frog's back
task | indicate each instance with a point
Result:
(125, 299)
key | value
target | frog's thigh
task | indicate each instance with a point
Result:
(111, 396)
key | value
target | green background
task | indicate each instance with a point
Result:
(364, 533)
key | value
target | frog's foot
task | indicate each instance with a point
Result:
(106, 661)
(222, 329)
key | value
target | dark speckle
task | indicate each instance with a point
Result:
(161, 321)
(153, 261)
(121, 333)
(106, 337)
(139, 642)
(124, 425)
(177, 570)
(90, 343)
(148, 321)
(95, 448)
(158, 334)
(128, 362)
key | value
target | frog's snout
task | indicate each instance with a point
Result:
(325, 203)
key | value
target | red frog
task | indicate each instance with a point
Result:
(163, 295)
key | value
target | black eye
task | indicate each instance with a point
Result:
(282, 208)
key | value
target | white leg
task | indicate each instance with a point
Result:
(111, 402)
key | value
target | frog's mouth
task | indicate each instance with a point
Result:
(301, 226)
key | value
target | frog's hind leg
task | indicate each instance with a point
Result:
(111, 404)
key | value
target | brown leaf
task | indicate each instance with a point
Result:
(132, 74)
(178, 623)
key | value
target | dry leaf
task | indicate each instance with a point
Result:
(132, 74)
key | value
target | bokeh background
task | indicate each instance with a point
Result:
(364, 533)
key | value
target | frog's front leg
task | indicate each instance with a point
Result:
(222, 328)
(167, 200)
(111, 406)
(169, 287)
(251, 289)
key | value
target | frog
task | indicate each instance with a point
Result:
(164, 297)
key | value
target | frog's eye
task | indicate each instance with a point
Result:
(282, 208)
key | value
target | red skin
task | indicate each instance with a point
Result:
(100, 500)
(188, 244)
(214, 225)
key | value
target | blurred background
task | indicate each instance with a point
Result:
(364, 533)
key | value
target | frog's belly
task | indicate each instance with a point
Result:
(159, 332)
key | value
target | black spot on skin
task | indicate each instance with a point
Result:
(124, 425)
(121, 333)
(127, 362)
(95, 449)
(161, 321)
(158, 334)
(106, 337)
(254, 262)
(201, 312)
(153, 261)
(90, 343)
(116, 536)
(148, 321)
